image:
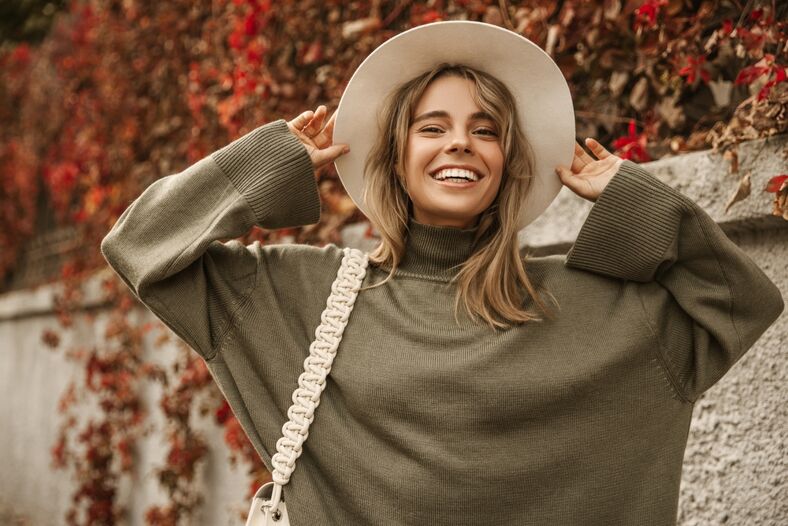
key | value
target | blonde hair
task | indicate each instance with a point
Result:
(492, 283)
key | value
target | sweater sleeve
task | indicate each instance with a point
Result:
(704, 299)
(166, 246)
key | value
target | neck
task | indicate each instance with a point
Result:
(436, 251)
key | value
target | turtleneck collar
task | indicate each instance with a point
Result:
(431, 251)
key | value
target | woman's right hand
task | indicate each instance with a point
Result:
(316, 138)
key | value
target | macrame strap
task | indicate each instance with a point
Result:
(317, 366)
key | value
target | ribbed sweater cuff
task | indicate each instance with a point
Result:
(633, 222)
(271, 168)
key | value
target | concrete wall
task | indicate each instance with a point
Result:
(735, 464)
(32, 378)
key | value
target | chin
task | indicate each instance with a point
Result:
(452, 217)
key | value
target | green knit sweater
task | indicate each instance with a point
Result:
(578, 421)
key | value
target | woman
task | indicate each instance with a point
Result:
(491, 414)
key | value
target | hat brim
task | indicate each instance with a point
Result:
(544, 103)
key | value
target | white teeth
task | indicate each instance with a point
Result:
(456, 173)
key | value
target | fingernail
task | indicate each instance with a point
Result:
(346, 149)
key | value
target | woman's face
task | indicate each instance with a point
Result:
(450, 136)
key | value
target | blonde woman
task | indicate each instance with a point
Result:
(473, 385)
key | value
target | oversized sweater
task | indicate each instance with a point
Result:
(582, 420)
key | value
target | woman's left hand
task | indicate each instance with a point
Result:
(588, 177)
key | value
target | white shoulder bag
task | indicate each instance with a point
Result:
(268, 505)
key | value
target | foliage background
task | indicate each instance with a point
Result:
(101, 98)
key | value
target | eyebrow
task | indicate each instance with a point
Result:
(479, 115)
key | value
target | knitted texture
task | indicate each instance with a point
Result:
(317, 365)
(578, 420)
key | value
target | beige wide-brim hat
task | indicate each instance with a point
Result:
(544, 104)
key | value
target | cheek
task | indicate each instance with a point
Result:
(495, 159)
(494, 162)
(494, 155)
(416, 154)
(411, 165)
(417, 158)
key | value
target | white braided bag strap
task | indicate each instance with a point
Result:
(317, 366)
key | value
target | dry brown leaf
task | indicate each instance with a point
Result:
(612, 9)
(732, 156)
(638, 97)
(552, 37)
(742, 192)
(670, 111)
(353, 29)
(781, 201)
(674, 7)
(721, 91)
(617, 83)
(492, 15)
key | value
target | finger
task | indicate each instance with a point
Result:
(582, 153)
(327, 155)
(316, 123)
(581, 158)
(302, 120)
(597, 149)
(576, 184)
(326, 136)
(566, 175)
(329, 129)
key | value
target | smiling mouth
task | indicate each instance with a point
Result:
(456, 175)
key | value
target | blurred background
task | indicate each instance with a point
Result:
(110, 419)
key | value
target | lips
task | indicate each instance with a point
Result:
(456, 174)
(465, 172)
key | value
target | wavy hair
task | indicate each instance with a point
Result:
(492, 283)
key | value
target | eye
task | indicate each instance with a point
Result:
(430, 129)
(489, 132)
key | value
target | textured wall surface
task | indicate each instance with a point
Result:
(32, 379)
(736, 465)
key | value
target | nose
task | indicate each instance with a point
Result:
(459, 142)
